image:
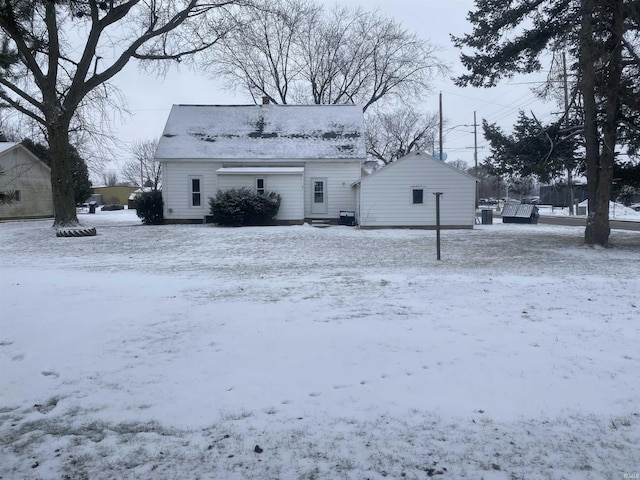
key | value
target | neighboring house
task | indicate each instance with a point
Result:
(29, 179)
(116, 195)
(310, 155)
(401, 194)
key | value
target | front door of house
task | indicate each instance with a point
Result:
(318, 196)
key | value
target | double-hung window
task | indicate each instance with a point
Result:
(260, 186)
(196, 191)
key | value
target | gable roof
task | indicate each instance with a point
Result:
(4, 146)
(8, 146)
(263, 131)
(427, 158)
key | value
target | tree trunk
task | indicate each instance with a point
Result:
(61, 178)
(600, 162)
(598, 230)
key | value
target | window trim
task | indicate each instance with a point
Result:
(259, 190)
(192, 192)
(414, 189)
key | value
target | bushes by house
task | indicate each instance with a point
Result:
(241, 206)
(149, 207)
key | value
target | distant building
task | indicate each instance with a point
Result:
(29, 179)
(560, 195)
(116, 195)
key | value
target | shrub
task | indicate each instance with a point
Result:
(112, 207)
(149, 207)
(237, 207)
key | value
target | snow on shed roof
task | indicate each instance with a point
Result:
(427, 157)
(263, 131)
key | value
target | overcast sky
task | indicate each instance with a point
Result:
(150, 98)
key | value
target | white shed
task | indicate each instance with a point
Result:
(401, 194)
(29, 179)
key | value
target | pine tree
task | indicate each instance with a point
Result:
(509, 38)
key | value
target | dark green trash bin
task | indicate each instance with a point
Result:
(487, 216)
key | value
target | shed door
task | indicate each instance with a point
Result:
(318, 196)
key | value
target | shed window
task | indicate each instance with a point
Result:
(196, 193)
(260, 186)
(418, 196)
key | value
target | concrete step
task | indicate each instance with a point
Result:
(320, 223)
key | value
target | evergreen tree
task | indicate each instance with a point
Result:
(509, 38)
(532, 149)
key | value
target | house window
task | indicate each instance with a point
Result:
(196, 193)
(260, 186)
(318, 192)
(17, 196)
(418, 196)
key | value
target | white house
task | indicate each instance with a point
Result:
(401, 194)
(29, 179)
(311, 155)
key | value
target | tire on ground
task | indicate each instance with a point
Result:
(76, 232)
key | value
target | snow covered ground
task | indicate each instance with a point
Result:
(617, 211)
(196, 352)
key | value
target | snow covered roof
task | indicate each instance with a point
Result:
(263, 132)
(427, 157)
(519, 210)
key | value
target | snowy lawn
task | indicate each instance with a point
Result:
(184, 352)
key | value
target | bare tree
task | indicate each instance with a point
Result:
(110, 179)
(459, 164)
(393, 134)
(144, 169)
(260, 53)
(59, 55)
(293, 51)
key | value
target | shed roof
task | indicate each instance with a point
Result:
(518, 210)
(263, 132)
(427, 158)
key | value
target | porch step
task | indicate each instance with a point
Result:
(320, 223)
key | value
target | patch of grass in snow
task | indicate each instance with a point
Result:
(418, 445)
(236, 416)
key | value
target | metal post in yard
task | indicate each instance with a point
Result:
(437, 194)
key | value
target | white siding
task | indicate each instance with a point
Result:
(289, 187)
(176, 188)
(339, 177)
(32, 178)
(296, 194)
(386, 196)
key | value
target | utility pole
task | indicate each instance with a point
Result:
(437, 194)
(475, 152)
(440, 126)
